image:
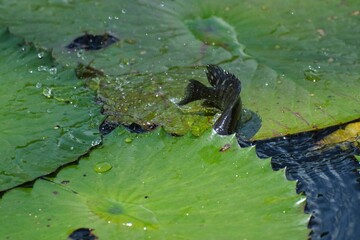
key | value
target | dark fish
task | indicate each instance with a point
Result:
(224, 94)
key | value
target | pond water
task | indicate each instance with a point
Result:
(328, 177)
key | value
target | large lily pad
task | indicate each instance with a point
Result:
(160, 187)
(298, 61)
(47, 115)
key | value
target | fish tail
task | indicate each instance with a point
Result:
(195, 90)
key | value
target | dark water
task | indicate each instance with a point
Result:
(92, 42)
(328, 177)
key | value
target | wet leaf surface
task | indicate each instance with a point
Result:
(145, 194)
(48, 117)
(145, 106)
(298, 62)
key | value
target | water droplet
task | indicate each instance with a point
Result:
(128, 140)
(31, 71)
(80, 53)
(38, 85)
(40, 55)
(129, 224)
(96, 142)
(53, 70)
(123, 11)
(47, 92)
(312, 75)
(162, 4)
(102, 167)
(42, 68)
(71, 148)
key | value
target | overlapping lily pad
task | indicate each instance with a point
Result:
(298, 62)
(48, 117)
(160, 187)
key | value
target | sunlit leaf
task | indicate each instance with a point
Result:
(160, 187)
(298, 61)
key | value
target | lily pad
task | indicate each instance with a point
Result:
(160, 187)
(298, 62)
(48, 117)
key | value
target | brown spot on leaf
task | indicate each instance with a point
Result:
(225, 147)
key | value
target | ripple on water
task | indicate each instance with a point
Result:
(328, 177)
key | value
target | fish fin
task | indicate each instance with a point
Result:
(226, 85)
(218, 78)
(224, 95)
(215, 74)
(195, 90)
(229, 120)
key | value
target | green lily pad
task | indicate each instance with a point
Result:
(160, 187)
(48, 117)
(298, 62)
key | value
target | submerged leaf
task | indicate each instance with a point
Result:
(350, 133)
(139, 100)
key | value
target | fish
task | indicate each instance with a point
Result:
(223, 94)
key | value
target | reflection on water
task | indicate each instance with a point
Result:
(328, 177)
